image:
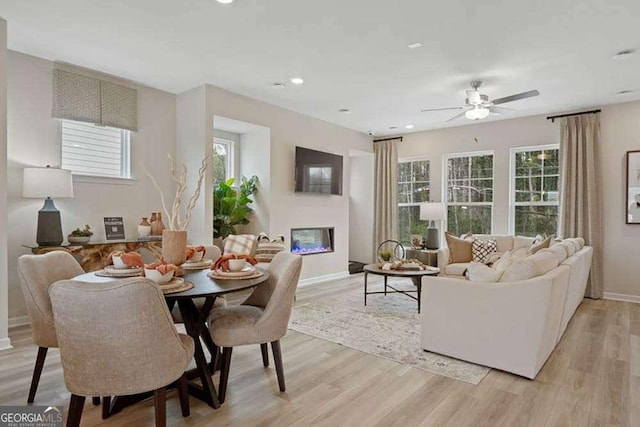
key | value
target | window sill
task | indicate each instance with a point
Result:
(92, 179)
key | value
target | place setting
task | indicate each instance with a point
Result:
(234, 267)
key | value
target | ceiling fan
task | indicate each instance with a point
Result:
(478, 106)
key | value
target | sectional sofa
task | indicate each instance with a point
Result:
(513, 326)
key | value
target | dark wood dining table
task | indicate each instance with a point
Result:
(194, 318)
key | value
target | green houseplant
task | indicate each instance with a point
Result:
(80, 235)
(231, 205)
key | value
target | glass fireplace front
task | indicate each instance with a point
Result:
(316, 240)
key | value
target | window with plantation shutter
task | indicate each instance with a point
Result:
(93, 150)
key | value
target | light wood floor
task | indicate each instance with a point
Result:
(591, 379)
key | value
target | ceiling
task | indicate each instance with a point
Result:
(352, 54)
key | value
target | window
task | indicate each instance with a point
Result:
(535, 190)
(222, 159)
(469, 190)
(413, 189)
(88, 149)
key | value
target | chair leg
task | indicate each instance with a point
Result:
(183, 395)
(265, 355)
(95, 400)
(75, 410)
(224, 373)
(37, 370)
(277, 357)
(106, 407)
(160, 401)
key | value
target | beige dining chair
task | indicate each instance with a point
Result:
(261, 319)
(118, 339)
(36, 273)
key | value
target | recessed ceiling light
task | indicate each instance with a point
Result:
(393, 127)
(623, 54)
(225, 1)
(345, 111)
(296, 80)
(409, 126)
(414, 45)
(278, 85)
(624, 92)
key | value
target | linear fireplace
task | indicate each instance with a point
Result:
(314, 240)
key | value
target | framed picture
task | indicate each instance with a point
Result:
(633, 187)
(416, 241)
(114, 228)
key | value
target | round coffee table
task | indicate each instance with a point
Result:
(414, 275)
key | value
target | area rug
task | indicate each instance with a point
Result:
(389, 327)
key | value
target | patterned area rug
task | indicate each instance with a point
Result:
(389, 327)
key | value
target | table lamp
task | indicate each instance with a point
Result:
(46, 183)
(433, 211)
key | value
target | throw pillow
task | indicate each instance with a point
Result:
(268, 249)
(542, 244)
(460, 250)
(482, 251)
(478, 272)
(543, 262)
(558, 251)
(504, 262)
(239, 244)
(519, 270)
(518, 254)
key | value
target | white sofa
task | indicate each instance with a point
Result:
(512, 326)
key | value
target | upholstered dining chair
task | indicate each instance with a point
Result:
(36, 273)
(118, 339)
(261, 319)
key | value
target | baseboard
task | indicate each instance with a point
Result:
(622, 297)
(18, 321)
(5, 344)
(322, 279)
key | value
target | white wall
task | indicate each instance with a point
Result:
(255, 159)
(620, 126)
(288, 209)
(4, 289)
(361, 208)
(34, 140)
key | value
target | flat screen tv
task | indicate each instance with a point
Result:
(318, 172)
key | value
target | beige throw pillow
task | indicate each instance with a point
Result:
(519, 270)
(543, 261)
(460, 250)
(478, 272)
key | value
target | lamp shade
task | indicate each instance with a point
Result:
(39, 183)
(432, 211)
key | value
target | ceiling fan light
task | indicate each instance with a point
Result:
(477, 113)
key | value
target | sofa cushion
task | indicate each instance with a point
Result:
(577, 242)
(460, 250)
(543, 262)
(479, 272)
(456, 269)
(522, 242)
(558, 251)
(518, 254)
(569, 247)
(542, 244)
(267, 248)
(504, 242)
(482, 251)
(504, 262)
(519, 270)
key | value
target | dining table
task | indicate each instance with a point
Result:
(195, 305)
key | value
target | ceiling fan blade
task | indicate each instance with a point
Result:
(500, 110)
(516, 97)
(457, 116)
(441, 109)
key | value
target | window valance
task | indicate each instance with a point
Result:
(86, 99)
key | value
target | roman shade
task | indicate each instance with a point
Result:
(86, 99)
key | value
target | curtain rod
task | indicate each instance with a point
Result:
(387, 139)
(553, 118)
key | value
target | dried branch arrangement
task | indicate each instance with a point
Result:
(175, 218)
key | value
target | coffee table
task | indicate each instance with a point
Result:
(414, 275)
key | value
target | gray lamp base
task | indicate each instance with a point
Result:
(433, 237)
(49, 226)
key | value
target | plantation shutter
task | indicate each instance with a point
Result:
(85, 99)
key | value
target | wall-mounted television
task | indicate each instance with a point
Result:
(318, 172)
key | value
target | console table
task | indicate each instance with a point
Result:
(94, 256)
(425, 256)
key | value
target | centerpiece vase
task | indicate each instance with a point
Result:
(174, 246)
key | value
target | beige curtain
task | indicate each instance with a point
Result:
(580, 186)
(386, 190)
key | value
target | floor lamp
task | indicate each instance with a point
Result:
(432, 212)
(47, 183)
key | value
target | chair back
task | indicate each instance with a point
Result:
(277, 295)
(36, 273)
(116, 338)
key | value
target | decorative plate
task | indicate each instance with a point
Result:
(217, 275)
(120, 273)
(201, 265)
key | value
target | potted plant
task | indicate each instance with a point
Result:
(231, 205)
(80, 235)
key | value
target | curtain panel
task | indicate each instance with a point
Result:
(580, 211)
(85, 99)
(386, 190)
